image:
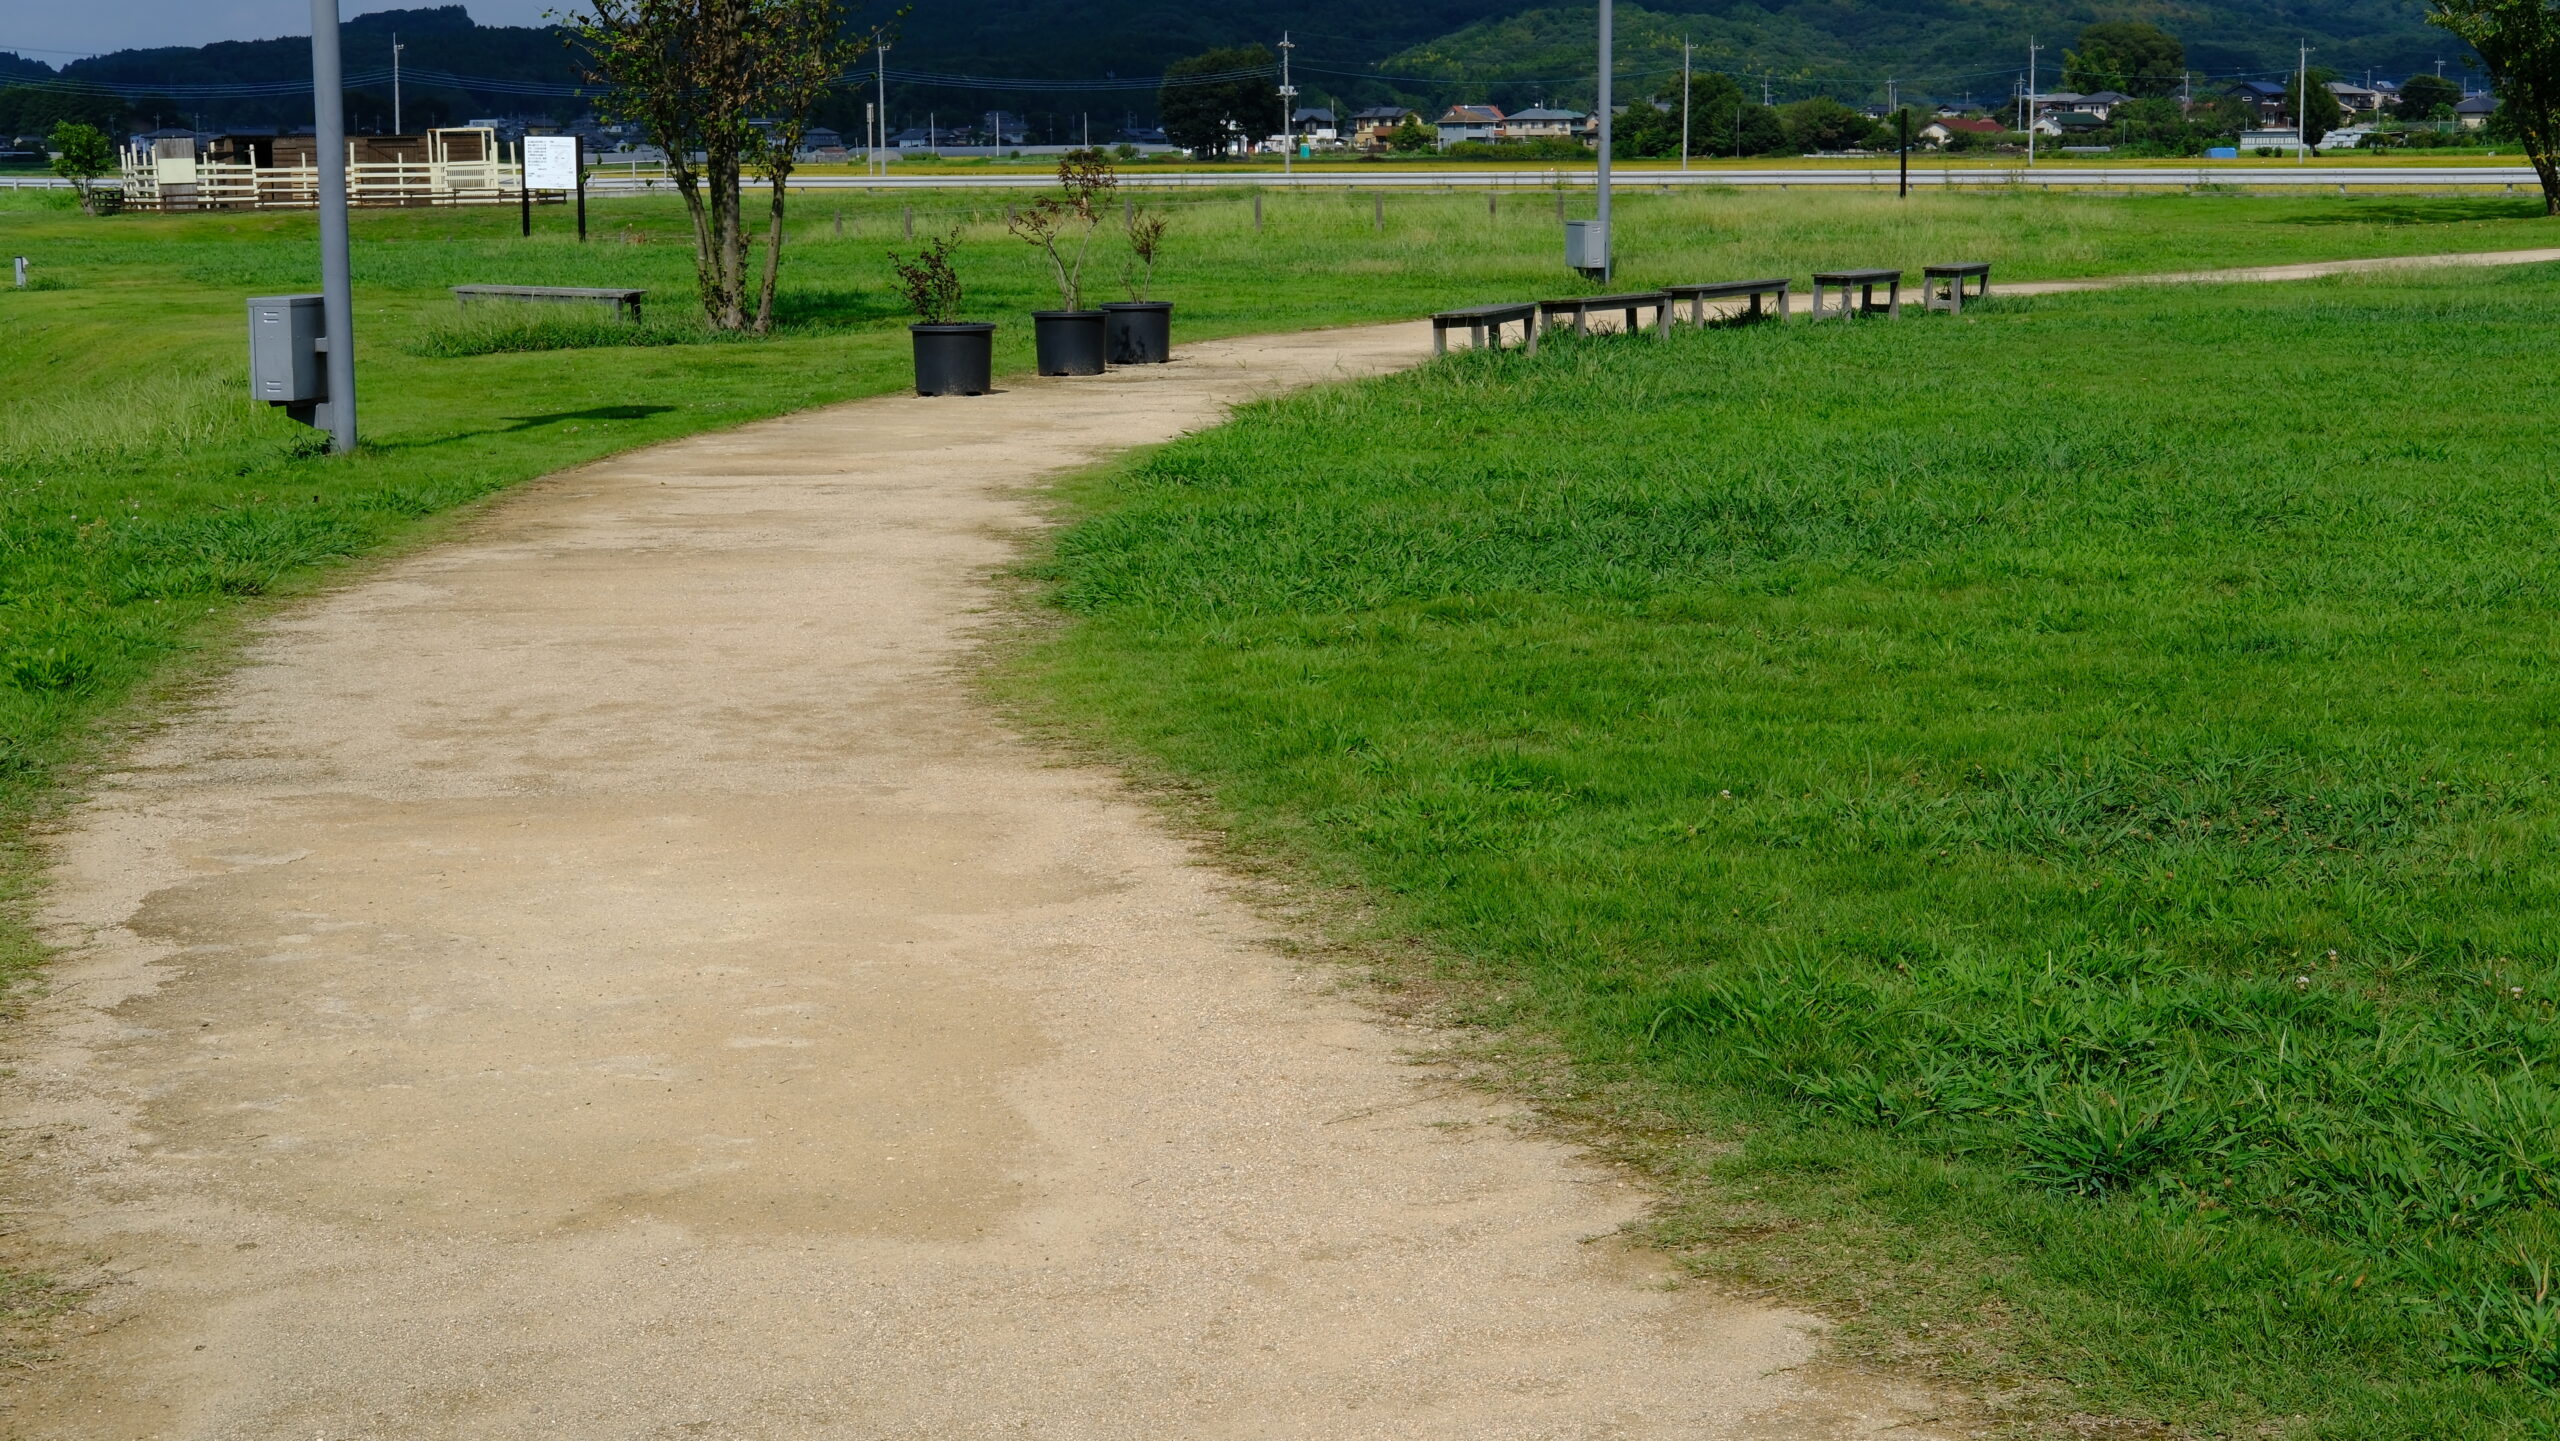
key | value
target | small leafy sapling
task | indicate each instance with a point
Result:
(81, 154)
(931, 286)
(1146, 241)
(1086, 178)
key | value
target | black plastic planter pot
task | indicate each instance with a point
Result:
(1141, 331)
(1069, 342)
(956, 358)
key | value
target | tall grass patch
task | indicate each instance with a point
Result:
(2068, 792)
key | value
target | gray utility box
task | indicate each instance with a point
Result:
(288, 335)
(1586, 246)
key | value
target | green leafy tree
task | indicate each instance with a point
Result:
(2519, 42)
(2133, 56)
(2422, 95)
(1825, 124)
(1216, 98)
(804, 50)
(698, 75)
(1653, 131)
(25, 110)
(82, 153)
(2316, 111)
(1746, 127)
(1411, 137)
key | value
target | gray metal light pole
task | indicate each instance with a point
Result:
(1288, 109)
(337, 299)
(1608, 242)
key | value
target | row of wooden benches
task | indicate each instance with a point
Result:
(1943, 287)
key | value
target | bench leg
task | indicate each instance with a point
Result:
(1582, 322)
(1662, 321)
(1955, 297)
(1893, 299)
(1439, 340)
(1475, 336)
(1866, 300)
(1530, 327)
(1783, 292)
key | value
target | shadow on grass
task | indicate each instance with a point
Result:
(2451, 210)
(521, 423)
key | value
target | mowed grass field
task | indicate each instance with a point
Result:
(2056, 810)
(146, 505)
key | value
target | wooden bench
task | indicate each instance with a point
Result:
(625, 303)
(1862, 281)
(1479, 320)
(1581, 306)
(1942, 286)
(1699, 295)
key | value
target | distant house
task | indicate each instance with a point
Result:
(2103, 104)
(2474, 110)
(1315, 125)
(1948, 127)
(2357, 99)
(2054, 102)
(1371, 127)
(1540, 123)
(1469, 122)
(2069, 122)
(820, 138)
(2265, 97)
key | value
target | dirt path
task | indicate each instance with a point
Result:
(605, 978)
(2313, 270)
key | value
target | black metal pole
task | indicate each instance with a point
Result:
(524, 188)
(1905, 117)
(582, 190)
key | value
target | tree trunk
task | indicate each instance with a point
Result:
(689, 185)
(772, 253)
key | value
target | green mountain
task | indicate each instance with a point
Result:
(1069, 62)
(1950, 50)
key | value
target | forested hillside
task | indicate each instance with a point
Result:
(1079, 60)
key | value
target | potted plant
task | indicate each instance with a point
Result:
(953, 357)
(1140, 331)
(1069, 340)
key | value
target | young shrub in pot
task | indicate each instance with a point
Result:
(1140, 331)
(953, 357)
(1069, 340)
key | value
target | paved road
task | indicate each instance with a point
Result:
(607, 976)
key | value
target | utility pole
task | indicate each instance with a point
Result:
(2302, 108)
(396, 48)
(2032, 48)
(1903, 117)
(337, 302)
(880, 60)
(1608, 62)
(1288, 108)
(1684, 102)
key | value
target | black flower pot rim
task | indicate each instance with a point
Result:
(1066, 315)
(1137, 305)
(953, 327)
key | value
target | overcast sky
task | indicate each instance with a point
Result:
(58, 32)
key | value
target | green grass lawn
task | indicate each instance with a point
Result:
(144, 501)
(2067, 795)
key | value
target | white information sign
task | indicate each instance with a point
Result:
(551, 162)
